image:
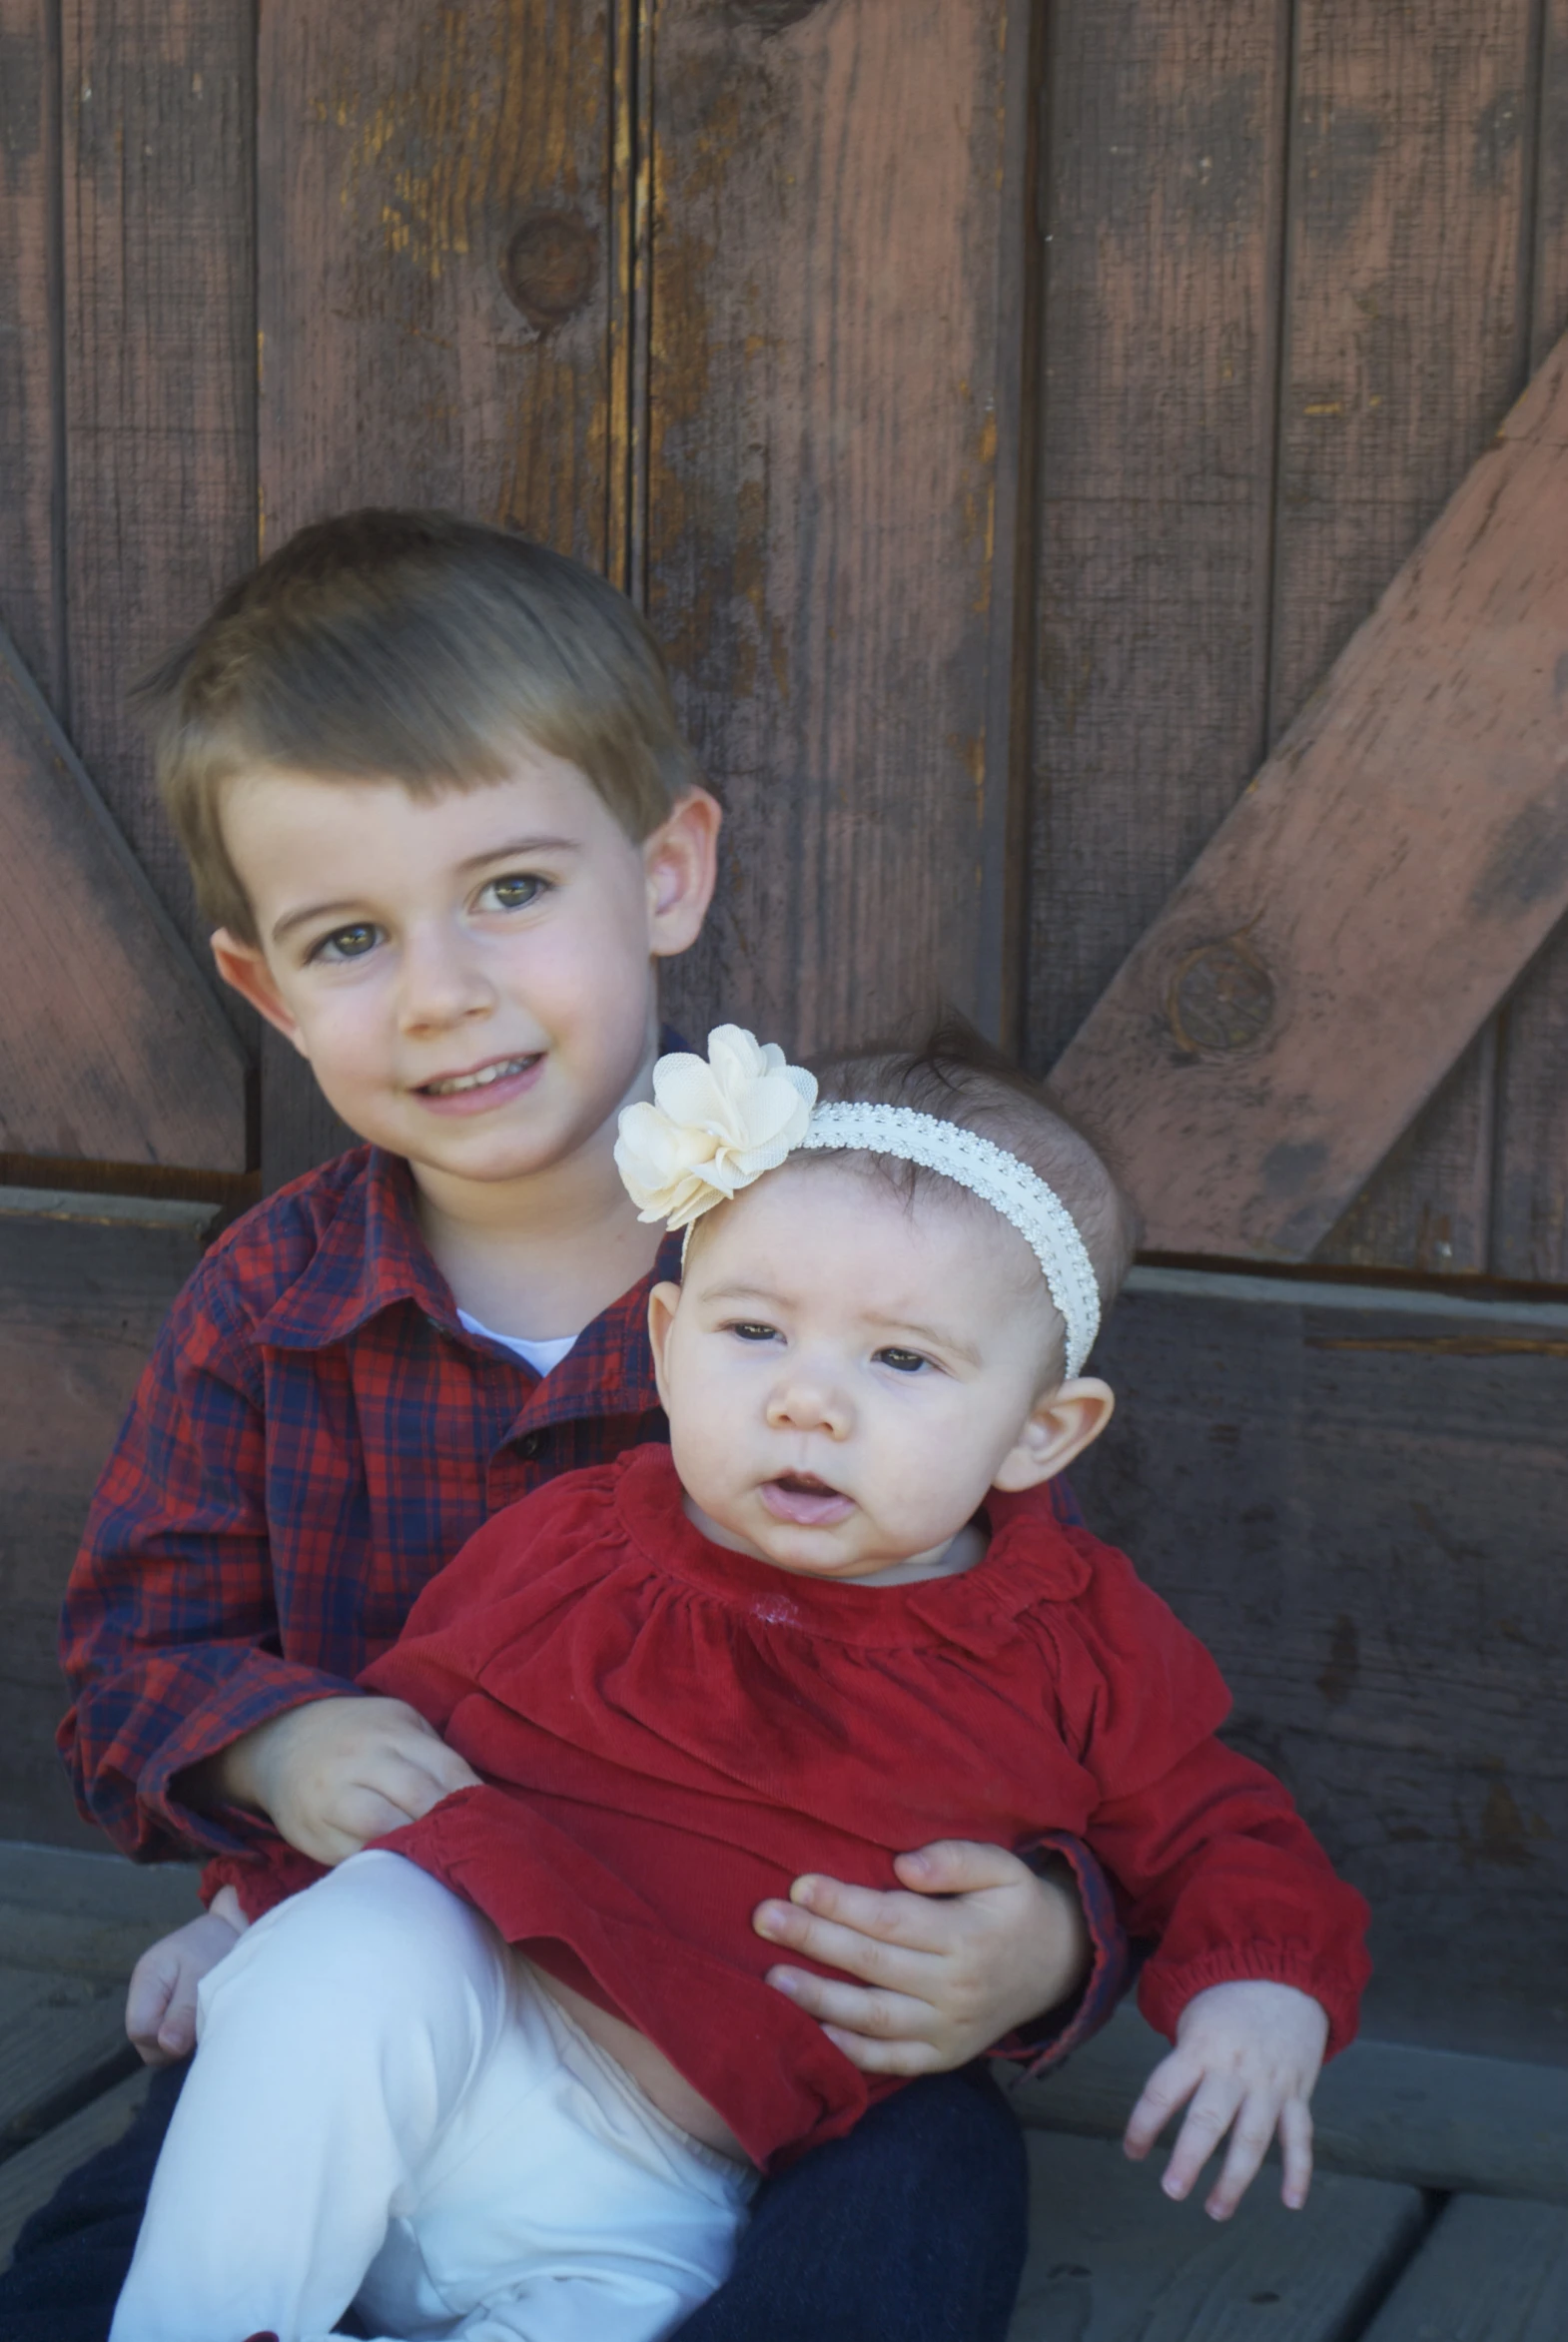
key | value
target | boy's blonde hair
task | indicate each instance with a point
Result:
(418, 648)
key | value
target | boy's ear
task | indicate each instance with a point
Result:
(681, 861)
(661, 1316)
(244, 968)
(1060, 1428)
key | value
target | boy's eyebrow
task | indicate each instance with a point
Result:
(935, 1334)
(521, 846)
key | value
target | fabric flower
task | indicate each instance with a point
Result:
(717, 1123)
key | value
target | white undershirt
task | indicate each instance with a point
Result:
(541, 1355)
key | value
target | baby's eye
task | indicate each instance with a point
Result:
(748, 1329)
(516, 890)
(902, 1361)
(347, 943)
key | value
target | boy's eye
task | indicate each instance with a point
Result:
(902, 1361)
(516, 890)
(346, 943)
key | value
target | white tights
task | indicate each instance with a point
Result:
(386, 2109)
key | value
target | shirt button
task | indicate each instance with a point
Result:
(528, 1444)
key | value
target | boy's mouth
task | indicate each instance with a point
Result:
(806, 1501)
(481, 1077)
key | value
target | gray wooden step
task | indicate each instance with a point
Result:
(1434, 2118)
(1113, 2260)
(1491, 2271)
(62, 2041)
(92, 1913)
(30, 2178)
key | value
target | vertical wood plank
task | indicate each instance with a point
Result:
(1163, 178)
(435, 273)
(837, 286)
(1530, 1202)
(159, 102)
(29, 350)
(1407, 340)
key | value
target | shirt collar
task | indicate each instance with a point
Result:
(372, 1256)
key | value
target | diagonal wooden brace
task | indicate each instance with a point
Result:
(1359, 914)
(112, 1045)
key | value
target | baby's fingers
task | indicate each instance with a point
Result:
(1168, 2089)
(1254, 2128)
(1208, 2120)
(152, 1986)
(1295, 2147)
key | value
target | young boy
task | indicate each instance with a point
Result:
(430, 781)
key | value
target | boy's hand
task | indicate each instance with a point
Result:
(1251, 2052)
(978, 1946)
(334, 1774)
(159, 2008)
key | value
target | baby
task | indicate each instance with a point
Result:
(509, 2072)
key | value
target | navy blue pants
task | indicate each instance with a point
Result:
(912, 2229)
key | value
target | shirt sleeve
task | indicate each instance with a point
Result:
(168, 1636)
(1054, 2035)
(1211, 1858)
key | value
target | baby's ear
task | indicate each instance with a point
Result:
(1059, 1427)
(663, 1305)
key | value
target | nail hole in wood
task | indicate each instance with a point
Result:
(1221, 998)
(550, 266)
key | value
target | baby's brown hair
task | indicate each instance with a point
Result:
(418, 648)
(953, 1074)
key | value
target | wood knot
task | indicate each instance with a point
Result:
(1221, 998)
(770, 16)
(550, 266)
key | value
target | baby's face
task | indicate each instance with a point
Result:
(846, 1375)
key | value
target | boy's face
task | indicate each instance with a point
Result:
(471, 977)
(846, 1377)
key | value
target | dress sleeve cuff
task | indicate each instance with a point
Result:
(1044, 2043)
(262, 1880)
(1163, 1992)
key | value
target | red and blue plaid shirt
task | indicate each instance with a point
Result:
(314, 1435)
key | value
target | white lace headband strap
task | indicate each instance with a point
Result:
(998, 1179)
(719, 1123)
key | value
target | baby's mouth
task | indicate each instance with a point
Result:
(503, 1069)
(801, 1498)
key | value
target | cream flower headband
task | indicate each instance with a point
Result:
(720, 1123)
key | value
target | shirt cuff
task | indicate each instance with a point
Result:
(1038, 2047)
(260, 1688)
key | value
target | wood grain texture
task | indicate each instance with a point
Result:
(835, 306)
(1429, 2118)
(114, 1045)
(29, 346)
(422, 170)
(80, 1305)
(1489, 2272)
(1163, 191)
(1406, 339)
(159, 108)
(1531, 1204)
(1357, 1500)
(30, 2178)
(60, 2037)
(1112, 2260)
(75, 1913)
(1388, 874)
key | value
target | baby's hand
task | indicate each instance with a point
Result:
(334, 1774)
(159, 2008)
(1252, 2053)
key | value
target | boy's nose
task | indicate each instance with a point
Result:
(442, 982)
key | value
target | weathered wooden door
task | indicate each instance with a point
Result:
(1007, 415)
